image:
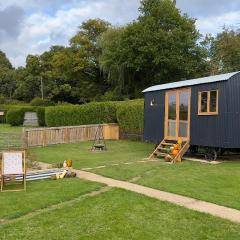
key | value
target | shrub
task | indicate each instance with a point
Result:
(15, 115)
(130, 115)
(41, 116)
(90, 113)
(41, 102)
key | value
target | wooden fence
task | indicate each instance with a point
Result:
(34, 137)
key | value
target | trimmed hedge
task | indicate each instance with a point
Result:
(130, 116)
(15, 115)
(90, 113)
(41, 116)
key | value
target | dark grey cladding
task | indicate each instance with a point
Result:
(222, 130)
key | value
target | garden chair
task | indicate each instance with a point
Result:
(13, 166)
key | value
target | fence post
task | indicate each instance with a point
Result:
(24, 138)
(44, 138)
(66, 135)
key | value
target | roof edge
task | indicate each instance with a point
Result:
(192, 82)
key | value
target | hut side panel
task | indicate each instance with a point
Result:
(210, 130)
(154, 116)
(233, 99)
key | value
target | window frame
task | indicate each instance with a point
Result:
(208, 112)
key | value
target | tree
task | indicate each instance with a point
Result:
(225, 51)
(28, 80)
(7, 77)
(86, 54)
(161, 46)
(4, 61)
(111, 44)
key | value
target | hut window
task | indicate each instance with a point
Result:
(208, 102)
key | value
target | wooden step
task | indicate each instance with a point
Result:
(168, 144)
(163, 149)
(160, 154)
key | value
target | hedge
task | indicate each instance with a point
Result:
(41, 116)
(130, 116)
(41, 102)
(15, 115)
(4, 108)
(90, 113)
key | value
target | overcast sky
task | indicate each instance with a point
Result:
(32, 26)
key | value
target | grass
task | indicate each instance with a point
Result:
(214, 183)
(8, 128)
(10, 136)
(119, 214)
(41, 194)
(118, 152)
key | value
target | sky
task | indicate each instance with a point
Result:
(32, 26)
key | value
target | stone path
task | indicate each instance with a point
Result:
(187, 202)
(190, 203)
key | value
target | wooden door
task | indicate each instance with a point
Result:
(177, 114)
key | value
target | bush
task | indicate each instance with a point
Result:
(41, 116)
(130, 116)
(8, 101)
(90, 113)
(15, 115)
(41, 102)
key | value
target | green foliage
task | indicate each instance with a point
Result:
(105, 63)
(41, 102)
(6, 107)
(225, 51)
(41, 116)
(4, 61)
(161, 46)
(130, 116)
(15, 116)
(91, 113)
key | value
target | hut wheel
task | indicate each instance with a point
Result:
(211, 154)
(193, 149)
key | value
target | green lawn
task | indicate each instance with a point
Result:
(10, 136)
(41, 194)
(8, 128)
(119, 214)
(214, 183)
(118, 152)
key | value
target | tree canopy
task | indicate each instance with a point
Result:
(225, 51)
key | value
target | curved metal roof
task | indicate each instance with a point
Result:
(191, 82)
